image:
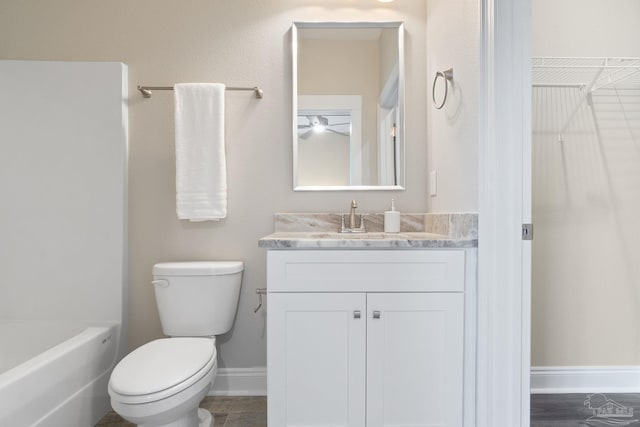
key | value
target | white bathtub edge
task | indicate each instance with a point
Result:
(67, 378)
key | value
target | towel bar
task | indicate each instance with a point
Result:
(146, 90)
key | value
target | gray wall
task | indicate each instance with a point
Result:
(238, 43)
(586, 195)
(453, 41)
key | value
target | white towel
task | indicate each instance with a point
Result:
(201, 169)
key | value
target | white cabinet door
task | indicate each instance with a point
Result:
(415, 359)
(316, 359)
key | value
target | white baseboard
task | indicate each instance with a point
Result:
(544, 380)
(240, 382)
(585, 379)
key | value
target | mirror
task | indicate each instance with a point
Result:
(348, 106)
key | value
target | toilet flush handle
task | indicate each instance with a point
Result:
(161, 282)
(260, 292)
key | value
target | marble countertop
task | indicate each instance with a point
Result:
(374, 240)
(421, 230)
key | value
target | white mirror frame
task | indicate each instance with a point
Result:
(400, 174)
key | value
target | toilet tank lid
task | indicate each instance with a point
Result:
(197, 268)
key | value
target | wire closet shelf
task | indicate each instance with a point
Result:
(586, 75)
(590, 74)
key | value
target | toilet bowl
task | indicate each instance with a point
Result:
(161, 383)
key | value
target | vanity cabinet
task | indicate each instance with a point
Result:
(368, 337)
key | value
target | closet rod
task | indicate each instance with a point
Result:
(146, 90)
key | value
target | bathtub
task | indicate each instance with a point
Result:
(55, 374)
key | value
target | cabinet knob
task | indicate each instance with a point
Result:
(356, 314)
(376, 314)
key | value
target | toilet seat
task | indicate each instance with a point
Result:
(162, 368)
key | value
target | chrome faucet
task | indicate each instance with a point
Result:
(352, 221)
(352, 215)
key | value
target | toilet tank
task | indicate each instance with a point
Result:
(197, 298)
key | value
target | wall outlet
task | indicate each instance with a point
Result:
(433, 183)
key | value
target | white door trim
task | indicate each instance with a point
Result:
(504, 321)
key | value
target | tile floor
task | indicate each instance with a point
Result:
(227, 412)
(547, 410)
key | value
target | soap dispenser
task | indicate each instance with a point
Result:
(392, 219)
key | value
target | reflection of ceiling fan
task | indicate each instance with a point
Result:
(319, 124)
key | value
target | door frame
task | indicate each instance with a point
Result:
(504, 259)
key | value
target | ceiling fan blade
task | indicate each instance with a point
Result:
(338, 132)
(306, 135)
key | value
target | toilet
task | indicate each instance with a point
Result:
(161, 383)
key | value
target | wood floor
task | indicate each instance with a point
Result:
(227, 412)
(597, 410)
(547, 410)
